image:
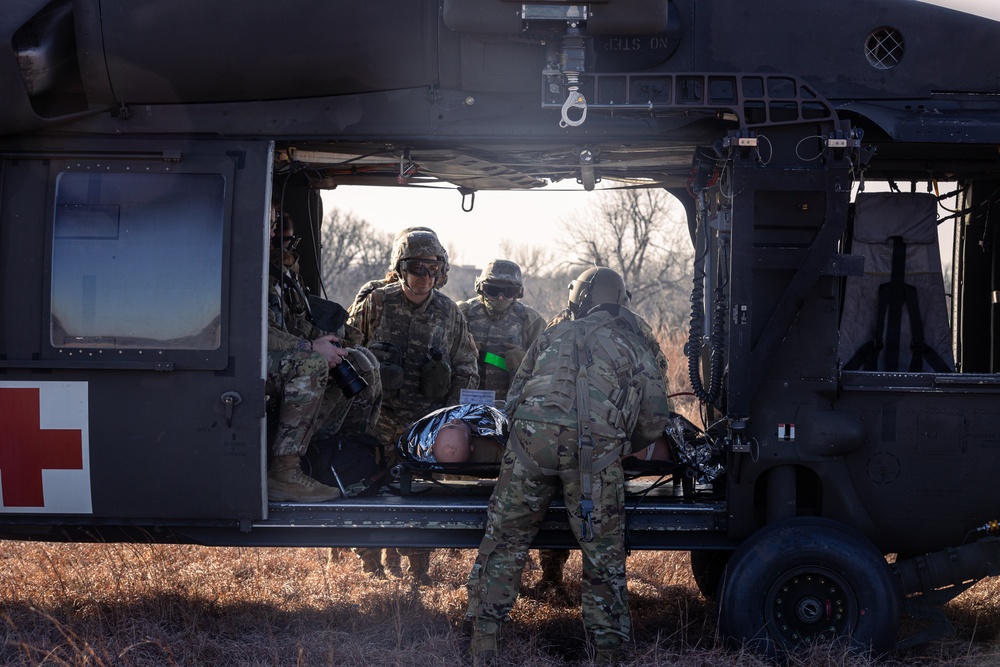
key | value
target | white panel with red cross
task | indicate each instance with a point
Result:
(44, 448)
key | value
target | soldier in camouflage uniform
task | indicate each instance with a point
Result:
(554, 561)
(556, 436)
(503, 328)
(360, 413)
(300, 356)
(426, 353)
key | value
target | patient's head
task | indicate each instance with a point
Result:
(451, 445)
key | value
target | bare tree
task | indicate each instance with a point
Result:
(641, 234)
(533, 259)
(353, 252)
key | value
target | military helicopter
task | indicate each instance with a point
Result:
(140, 144)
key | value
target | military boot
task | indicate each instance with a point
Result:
(483, 647)
(419, 567)
(551, 584)
(287, 482)
(371, 563)
(394, 563)
(609, 655)
(607, 651)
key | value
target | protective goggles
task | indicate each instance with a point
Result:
(422, 268)
(506, 291)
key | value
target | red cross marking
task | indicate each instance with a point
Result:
(26, 449)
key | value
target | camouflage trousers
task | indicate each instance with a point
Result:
(516, 509)
(298, 379)
(310, 403)
(360, 413)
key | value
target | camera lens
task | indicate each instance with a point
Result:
(348, 379)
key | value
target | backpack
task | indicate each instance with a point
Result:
(352, 463)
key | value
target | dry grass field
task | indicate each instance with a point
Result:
(132, 605)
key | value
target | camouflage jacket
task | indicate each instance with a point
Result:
(385, 316)
(519, 326)
(628, 400)
(661, 359)
(288, 320)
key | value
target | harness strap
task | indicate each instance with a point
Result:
(583, 358)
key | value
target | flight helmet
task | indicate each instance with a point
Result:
(595, 286)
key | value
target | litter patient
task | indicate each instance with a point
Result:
(467, 433)
(456, 443)
(477, 434)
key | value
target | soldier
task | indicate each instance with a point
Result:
(553, 561)
(311, 317)
(426, 353)
(502, 326)
(562, 439)
(300, 356)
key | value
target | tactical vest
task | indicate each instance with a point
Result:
(415, 333)
(288, 301)
(492, 337)
(609, 350)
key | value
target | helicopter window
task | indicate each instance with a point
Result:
(137, 261)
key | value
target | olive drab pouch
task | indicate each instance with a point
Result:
(390, 360)
(435, 376)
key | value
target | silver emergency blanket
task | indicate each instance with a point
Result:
(695, 449)
(483, 420)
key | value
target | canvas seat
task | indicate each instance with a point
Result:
(895, 316)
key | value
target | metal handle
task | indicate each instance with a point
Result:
(230, 400)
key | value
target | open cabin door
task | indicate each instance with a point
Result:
(132, 330)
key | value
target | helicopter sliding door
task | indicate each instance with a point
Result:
(132, 330)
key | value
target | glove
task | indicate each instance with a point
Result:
(513, 355)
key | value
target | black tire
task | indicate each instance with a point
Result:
(707, 566)
(805, 581)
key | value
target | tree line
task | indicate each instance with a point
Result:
(641, 233)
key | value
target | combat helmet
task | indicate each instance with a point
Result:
(419, 242)
(595, 286)
(501, 272)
